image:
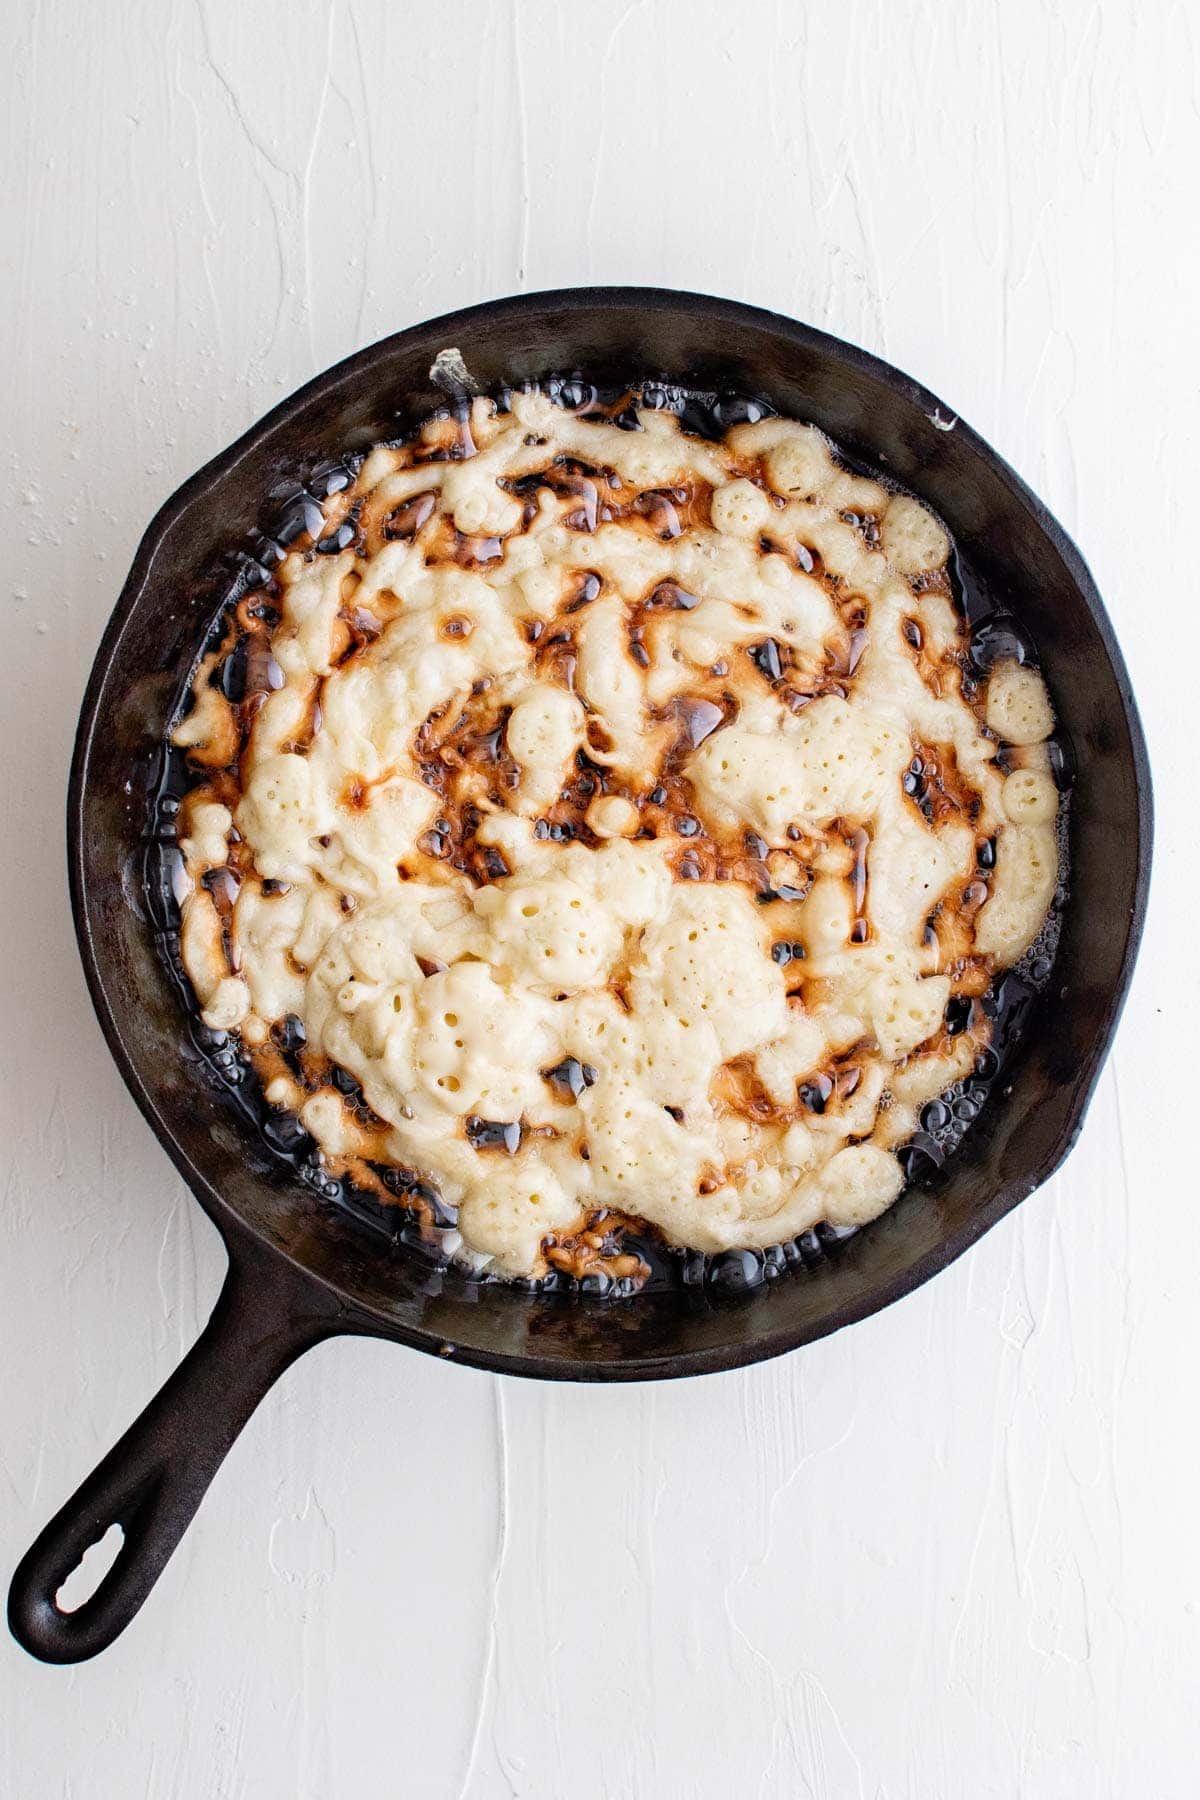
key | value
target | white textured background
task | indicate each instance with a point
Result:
(949, 1555)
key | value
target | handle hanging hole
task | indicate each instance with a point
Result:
(83, 1583)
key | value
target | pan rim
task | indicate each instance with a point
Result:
(358, 1314)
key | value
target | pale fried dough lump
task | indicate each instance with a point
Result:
(570, 811)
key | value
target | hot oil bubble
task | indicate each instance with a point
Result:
(999, 638)
(736, 409)
(736, 1272)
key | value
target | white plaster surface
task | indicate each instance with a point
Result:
(951, 1554)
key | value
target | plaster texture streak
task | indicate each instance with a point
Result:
(949, 1553)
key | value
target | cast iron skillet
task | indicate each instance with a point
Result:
(298, 1274)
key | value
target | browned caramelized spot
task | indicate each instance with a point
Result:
(263, 673)
(859, 843)
(671, 597)
(937, 787)
(707, 852)
(591, 488)
(868, 524)
(598, 735)
(224, 884)
(597, 1248)
(943, 671)
(325, 1074)
(971, 975)
(556, 657)
(831, 1086)
(465, 759)
(581, 484)
(859, 638)
(700, 718)
(301, 741)
(589, 587)
(476, 552)
(662, 511)
(846, 1081)
(933, 581)
(565, 820)
(441, 541)
(363, 626)
(405, 520)
(736, 1088)
(445, 439)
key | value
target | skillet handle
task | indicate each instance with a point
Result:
(153, 1479)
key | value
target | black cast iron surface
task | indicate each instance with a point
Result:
(299, 1271)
